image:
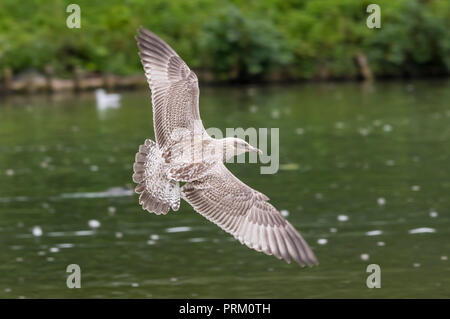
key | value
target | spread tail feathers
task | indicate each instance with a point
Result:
(157, 192)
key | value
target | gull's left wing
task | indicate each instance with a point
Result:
(245, 213)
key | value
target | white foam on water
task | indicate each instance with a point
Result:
(178, 229)
(374, 233)
(364, 131)
(84, 233)
(93, 223)
(364, 257)
(196, 240)
(37, 231)
(421, 230)
(112, 192)
(434, 214)
(284, 213)
(390, 162)
(275, 114)
(381, 201)
(9, 172)
(342, 218)
(322, 241)
(65, 245)
(57, 234)
(14, 199)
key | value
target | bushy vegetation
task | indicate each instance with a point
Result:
(231, 40)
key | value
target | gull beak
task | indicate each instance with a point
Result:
(257, 150)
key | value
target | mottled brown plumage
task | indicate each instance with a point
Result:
(184, 152)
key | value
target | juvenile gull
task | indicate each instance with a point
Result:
(185, 153)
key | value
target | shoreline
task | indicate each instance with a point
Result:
(34, 82)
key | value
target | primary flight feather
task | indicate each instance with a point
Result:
(184, 152)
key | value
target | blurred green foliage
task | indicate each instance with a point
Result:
(239, 47)
(231, 40)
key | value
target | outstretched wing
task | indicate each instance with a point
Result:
(174, 87)
(245, 213)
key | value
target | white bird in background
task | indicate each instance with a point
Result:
(105, 100)
(210, 188)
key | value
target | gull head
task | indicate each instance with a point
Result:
(234, 146)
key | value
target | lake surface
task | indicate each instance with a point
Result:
(364, 175)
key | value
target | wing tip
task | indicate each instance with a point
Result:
(311, 262)
(143, 31)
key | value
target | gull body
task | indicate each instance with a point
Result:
(185, 153)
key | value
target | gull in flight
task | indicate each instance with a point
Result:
(185, 153)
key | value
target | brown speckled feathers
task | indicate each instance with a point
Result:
(211, 189)
(174, 87)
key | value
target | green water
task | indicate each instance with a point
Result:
(377, 154)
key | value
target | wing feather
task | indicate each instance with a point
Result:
(245, 213)
(174, 87)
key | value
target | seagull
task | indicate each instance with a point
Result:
(185, 153)
(105, 100)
